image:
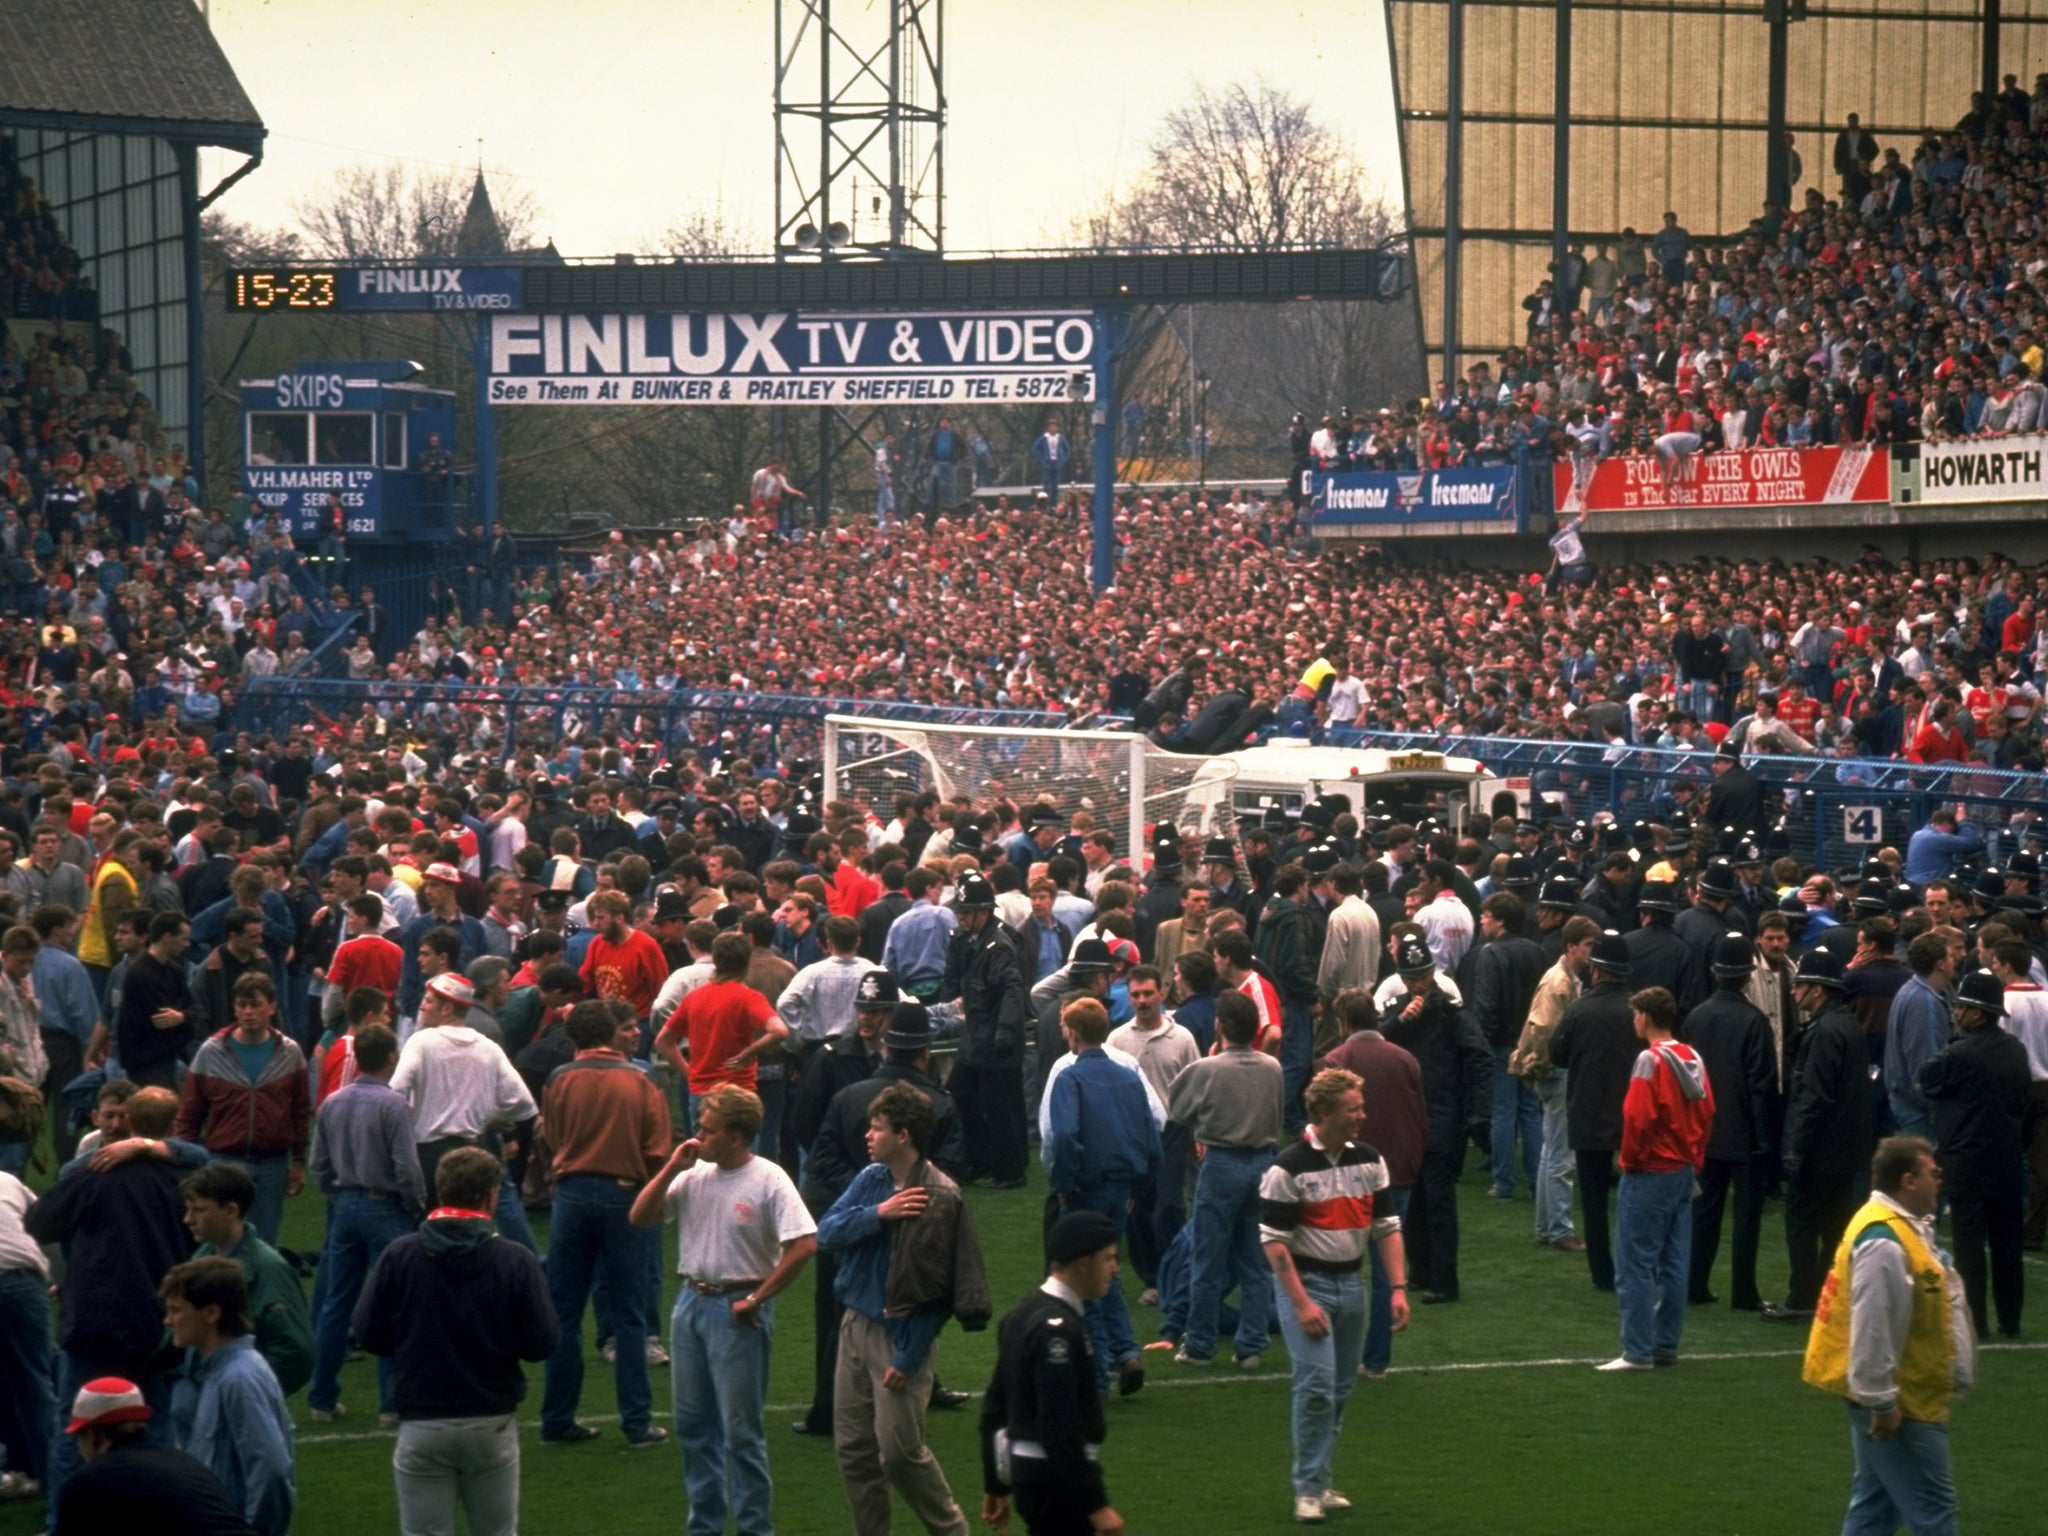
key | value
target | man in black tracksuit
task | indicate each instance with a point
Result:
(1657, 956)
(982, 971)
(1457, 1085)
(1733, 1039)
(1978, 1086)
(1596, 1046)
(1041, 1418)
(1828, 1135)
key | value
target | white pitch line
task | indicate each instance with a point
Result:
(1226, 1378)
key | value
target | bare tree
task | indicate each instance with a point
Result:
(390, 211)
(705, 232)
(226, 242)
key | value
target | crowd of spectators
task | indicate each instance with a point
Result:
(43, 279)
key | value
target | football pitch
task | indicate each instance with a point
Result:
(1491, 1422)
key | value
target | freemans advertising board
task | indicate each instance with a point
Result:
(791, 359)
(1743, 477)
(1383, 498)
(1986, 469)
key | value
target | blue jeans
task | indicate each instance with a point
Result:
(719, 1372)
(1901, 1481)
(1297, 1061)
(1226, 1241)
(510, 1214)
(1379, 1330)
(1109, 1320)
(28, 1406)
(14, 1157)
(590, 1232)
(1653, 1256)
(642, 1308)
(1555, 1166)
(1323, 1373)
(266, 1214)
(1697, 700)
(1515, 1108)
(359, 1228)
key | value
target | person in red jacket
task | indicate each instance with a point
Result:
(1666, 1120)
(246, 1099)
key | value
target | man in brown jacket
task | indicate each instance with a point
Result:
(898, 1286)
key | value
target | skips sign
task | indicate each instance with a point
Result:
(791, 359)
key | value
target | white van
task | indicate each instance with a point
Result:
(1289, 773)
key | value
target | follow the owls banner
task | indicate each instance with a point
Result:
(791, 359)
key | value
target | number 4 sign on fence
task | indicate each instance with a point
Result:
(1862, 824)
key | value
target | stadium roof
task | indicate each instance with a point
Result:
(122, 66)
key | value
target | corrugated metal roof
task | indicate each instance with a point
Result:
(152, 63)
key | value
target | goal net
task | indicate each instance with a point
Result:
(1122, 780)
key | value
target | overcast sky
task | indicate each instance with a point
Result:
(621, 115)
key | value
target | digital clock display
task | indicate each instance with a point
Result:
(283, 288)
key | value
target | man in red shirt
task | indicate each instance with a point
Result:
(726, 1022)
(622, 961)
(363, 959)
(1666, 1121)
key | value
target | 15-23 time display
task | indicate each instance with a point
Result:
(286, 288)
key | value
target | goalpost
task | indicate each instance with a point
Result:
(1121, 779)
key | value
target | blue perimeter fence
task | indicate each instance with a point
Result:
(1836, 810)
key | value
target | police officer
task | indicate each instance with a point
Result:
(1827, 1132)
(1657, 956)
(983, 972)
(1041, 1418)
(1733, 1039)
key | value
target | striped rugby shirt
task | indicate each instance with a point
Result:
(1324, 1211)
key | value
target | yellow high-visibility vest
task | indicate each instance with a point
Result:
(1926, 1372)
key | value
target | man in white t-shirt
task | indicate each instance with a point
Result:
(742, 1235)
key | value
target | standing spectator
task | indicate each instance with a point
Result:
(946, 451)
(247, 1099)
(1391, 1083)
(27, 1404)
(215, 1198)
(1501, 977)
(70, 1013)
(122, 1230)
(1667, 1117)
(462, 1088)
(1827, 1131)
(1163, 1050)
(366, 1168)
(2026, 1019)
(1420, 1016)
(230, 1415)
(21, 1038)
(1897, 1348)
(1103, 1149)
(608, 1125)
(726, 1023)
(1596, 1045)
(1977, 1087)
(1051, 452)
(742, 1234)
(455, 1311)
(771, 495)
(1734, 1040)
(1918, 1028)
(126, 1480)
(158, 1015)
(1231, 1103)
(982, 971)
(917, 942)
(1559, 987)
(886, 1339)
(885, 479)
(1671, 245)
(1318, 1209)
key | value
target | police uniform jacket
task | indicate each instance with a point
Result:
(840, 1149)
(983, 972)
(1457, 1066)
(1733, 1039)
(1828, 1132)
(1596, 1045)
(1043, 1396)
(1658, 957)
